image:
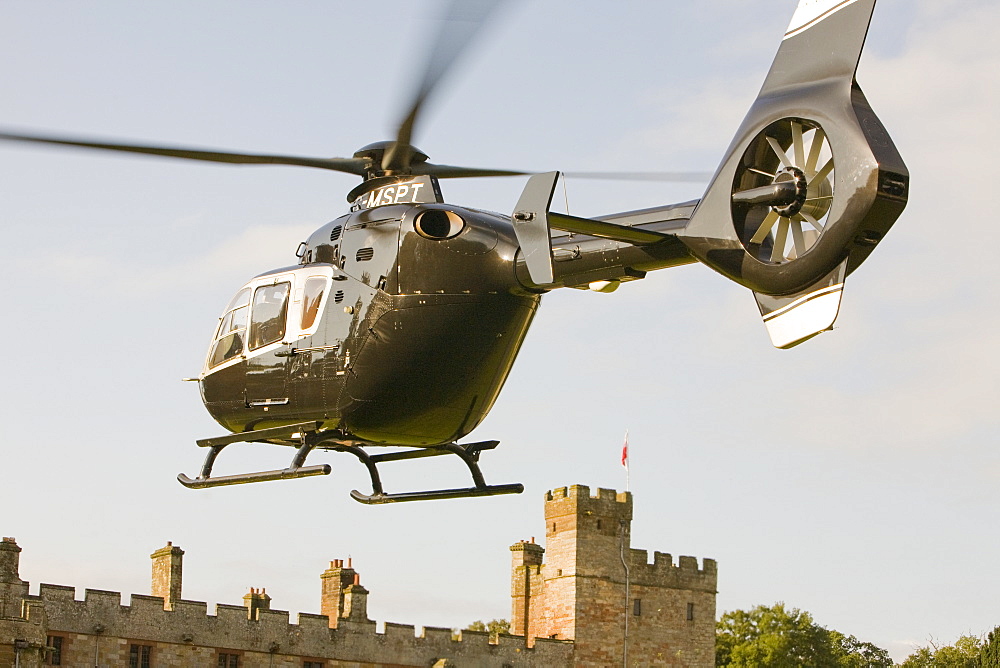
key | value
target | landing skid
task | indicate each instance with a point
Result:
(306, 437)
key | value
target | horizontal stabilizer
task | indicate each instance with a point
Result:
(606, 230)
(792, 319)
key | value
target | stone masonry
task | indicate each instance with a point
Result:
(570, 611)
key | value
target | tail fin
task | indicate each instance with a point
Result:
(811, 183)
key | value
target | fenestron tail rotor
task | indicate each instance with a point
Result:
(783, 190)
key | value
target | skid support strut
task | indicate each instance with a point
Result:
(294, 470)
(306, 437)
(468, 453)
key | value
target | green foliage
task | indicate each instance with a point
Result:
(989, 655)
(494, 626)
(852, 653)
(965, 653)
(777, 637)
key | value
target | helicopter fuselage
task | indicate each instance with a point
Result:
(400, 327)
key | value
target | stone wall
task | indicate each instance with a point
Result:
(100, 630)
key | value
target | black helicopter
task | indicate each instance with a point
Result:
(401, 320)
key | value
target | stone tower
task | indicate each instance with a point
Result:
(596, 590)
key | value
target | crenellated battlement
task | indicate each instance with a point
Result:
(577, 502)
(144, 619)
(662, 572)
(582, 493)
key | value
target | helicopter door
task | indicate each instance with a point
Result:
(267, 353)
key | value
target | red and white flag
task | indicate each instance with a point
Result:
(625, 460)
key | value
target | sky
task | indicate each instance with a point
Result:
(854, 476)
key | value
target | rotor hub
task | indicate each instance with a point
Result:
(375, 154)
(798, 177)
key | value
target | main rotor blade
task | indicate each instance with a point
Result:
(454, 172)
(669, 177)
(458, 25)
(349, 165)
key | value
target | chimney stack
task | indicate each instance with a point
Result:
(168, 566)
(335, 580)
(256, 601)
(355, 601)
(10, 557)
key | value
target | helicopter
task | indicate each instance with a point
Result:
(401, 319)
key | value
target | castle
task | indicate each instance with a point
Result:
(596, 601)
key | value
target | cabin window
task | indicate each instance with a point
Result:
(229, 337)
(312, 295)
(267, 317)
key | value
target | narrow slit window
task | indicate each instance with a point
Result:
(312, 295)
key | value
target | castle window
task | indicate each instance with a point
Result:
(138, 656)
(637, 606)
(598, 525)
(690, 615)
(54, 657)
(312, 664)
(553, 527)
(229, 660)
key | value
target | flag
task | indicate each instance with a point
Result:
(625, 451)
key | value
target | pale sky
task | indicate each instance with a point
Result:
(854, 477)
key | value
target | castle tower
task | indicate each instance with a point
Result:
(168, 567)
(596, 590)
(526, 589)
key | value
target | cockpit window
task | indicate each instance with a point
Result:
(232, 327)
(267, 317)
(312, 295)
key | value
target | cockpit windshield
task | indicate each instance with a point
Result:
(232, 327)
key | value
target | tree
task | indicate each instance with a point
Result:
(989, 655)
(494, 626)
(777, 637)
(965, 653)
